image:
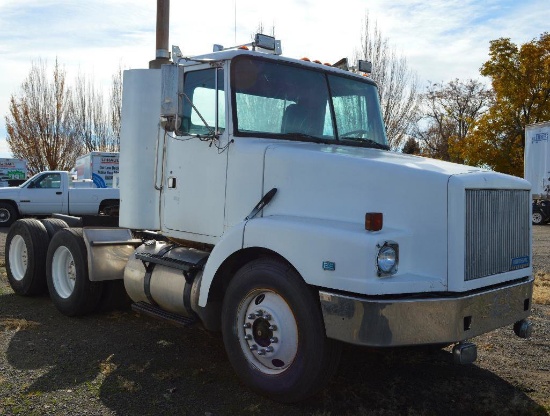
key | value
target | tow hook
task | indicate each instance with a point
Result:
(464, 353)
(523, 328)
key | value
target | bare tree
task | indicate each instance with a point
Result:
(39, 124)
(448, 113)
(115, 109)
(94, 123)
(397, 84)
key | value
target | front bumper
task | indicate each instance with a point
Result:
(428, 320)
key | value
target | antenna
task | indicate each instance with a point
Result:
(235, 2)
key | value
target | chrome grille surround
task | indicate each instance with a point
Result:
(497, 232)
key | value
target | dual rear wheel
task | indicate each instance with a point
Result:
(46, 256)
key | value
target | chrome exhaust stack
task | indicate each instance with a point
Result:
(163, 28)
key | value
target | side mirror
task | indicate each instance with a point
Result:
(171, 97)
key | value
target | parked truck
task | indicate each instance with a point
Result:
(537, 169)
(13, 171)
(270, 209)
(52, 192)
(100, 167)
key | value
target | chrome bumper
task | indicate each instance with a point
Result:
(394, 322)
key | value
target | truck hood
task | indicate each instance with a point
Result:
(417, 197)
(343, 183)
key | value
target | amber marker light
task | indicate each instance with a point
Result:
(374, 221)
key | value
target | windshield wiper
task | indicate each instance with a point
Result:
(298, 135)
(366, 142)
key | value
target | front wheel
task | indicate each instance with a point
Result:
(71, 291)
(537, 218)
(274, 334)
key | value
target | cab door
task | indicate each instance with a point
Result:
(193, 198)
(46, 194)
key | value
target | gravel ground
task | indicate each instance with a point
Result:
(122, 364)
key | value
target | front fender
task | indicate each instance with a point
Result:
(230, 242)
(327, 253)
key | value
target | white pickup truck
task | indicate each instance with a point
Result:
(53, 192)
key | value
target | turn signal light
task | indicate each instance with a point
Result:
(374, 221)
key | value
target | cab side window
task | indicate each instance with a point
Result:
(48, 181)
(200, 89)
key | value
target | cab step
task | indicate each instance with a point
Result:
(158, 313)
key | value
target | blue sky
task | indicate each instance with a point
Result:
(441, 39)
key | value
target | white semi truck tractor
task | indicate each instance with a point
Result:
(259, 198)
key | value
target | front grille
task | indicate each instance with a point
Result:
(497, 231)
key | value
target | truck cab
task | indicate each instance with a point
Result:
(259, 197)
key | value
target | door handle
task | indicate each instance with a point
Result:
(58, 193)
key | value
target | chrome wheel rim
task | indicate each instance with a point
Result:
(267, 330)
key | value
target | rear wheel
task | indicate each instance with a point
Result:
(26, 248)
(67, 274)
(274, 334)
(8, 214)
(53, 225)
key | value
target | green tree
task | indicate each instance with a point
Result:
(520, 77)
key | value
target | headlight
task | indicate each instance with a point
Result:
(387, 259)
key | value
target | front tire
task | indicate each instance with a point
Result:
(26, 248)
(274, 334)
(71, 290)
(538, 218)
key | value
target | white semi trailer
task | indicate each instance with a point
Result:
(100, 167)
(537, 169)
(274, 214)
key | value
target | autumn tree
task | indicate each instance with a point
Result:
(520, 77)
(40, 125)
(50, 124)
(397, 84)
(448, 112)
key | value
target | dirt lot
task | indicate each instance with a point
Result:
(122, 364)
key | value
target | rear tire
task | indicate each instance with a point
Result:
(26, 248)
(8, 214)
(71, 290)
(274, 334)
(53, 225)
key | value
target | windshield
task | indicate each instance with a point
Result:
(273, 99)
